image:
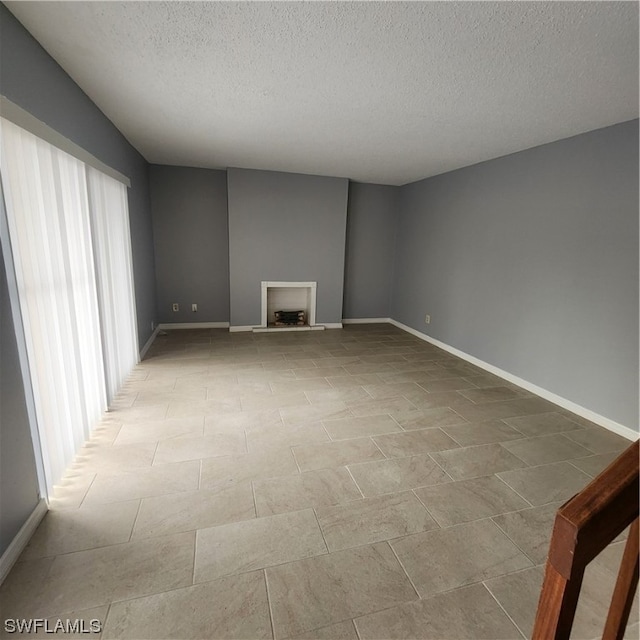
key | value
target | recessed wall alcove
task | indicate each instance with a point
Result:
(285, 228)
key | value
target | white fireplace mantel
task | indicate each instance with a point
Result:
(308, 297)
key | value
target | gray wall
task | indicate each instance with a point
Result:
(530, 263)
(372, 214)
(191, 238)
(30, 78)
(19, 493)
(285, 226)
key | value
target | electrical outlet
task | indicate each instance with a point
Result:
(175, 306)
(194, 307)
(427, 319)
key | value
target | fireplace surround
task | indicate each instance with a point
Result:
(287, 296)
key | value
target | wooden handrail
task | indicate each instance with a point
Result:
(583, 527)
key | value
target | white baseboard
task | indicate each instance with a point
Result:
(193, 325)
(149, 342)
(607, 423)
(15, 548)
(238, 327)
(331, 325)
(365, 320)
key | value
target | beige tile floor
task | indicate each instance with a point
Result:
(355, 483)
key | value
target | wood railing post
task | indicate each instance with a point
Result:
(561, 586)
(625, 588)
(583, 527)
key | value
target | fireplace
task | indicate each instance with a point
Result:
(288, 297)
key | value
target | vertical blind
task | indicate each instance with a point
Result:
(112, 247)
(69, 242)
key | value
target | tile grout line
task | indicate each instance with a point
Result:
(246, 441)
(354, 480)
(293, 454)
(504, 610)
(315, 513)
(446, 473)
(515, 544)
(443, 429)
(512, 489)
(155, 453)
(269, 603)
(324, 428)
(372, 438)
(413, 491)
(579, 469)
(135, 520)
(193, 563)
(86, 493)
(355, 626)
(406, 573)
(255, 504)
(104, 623)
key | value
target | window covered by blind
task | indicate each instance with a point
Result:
(112, 247)
(72, 262)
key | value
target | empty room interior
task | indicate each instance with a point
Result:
(313, 314)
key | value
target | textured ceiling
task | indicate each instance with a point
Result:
(386, 92)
